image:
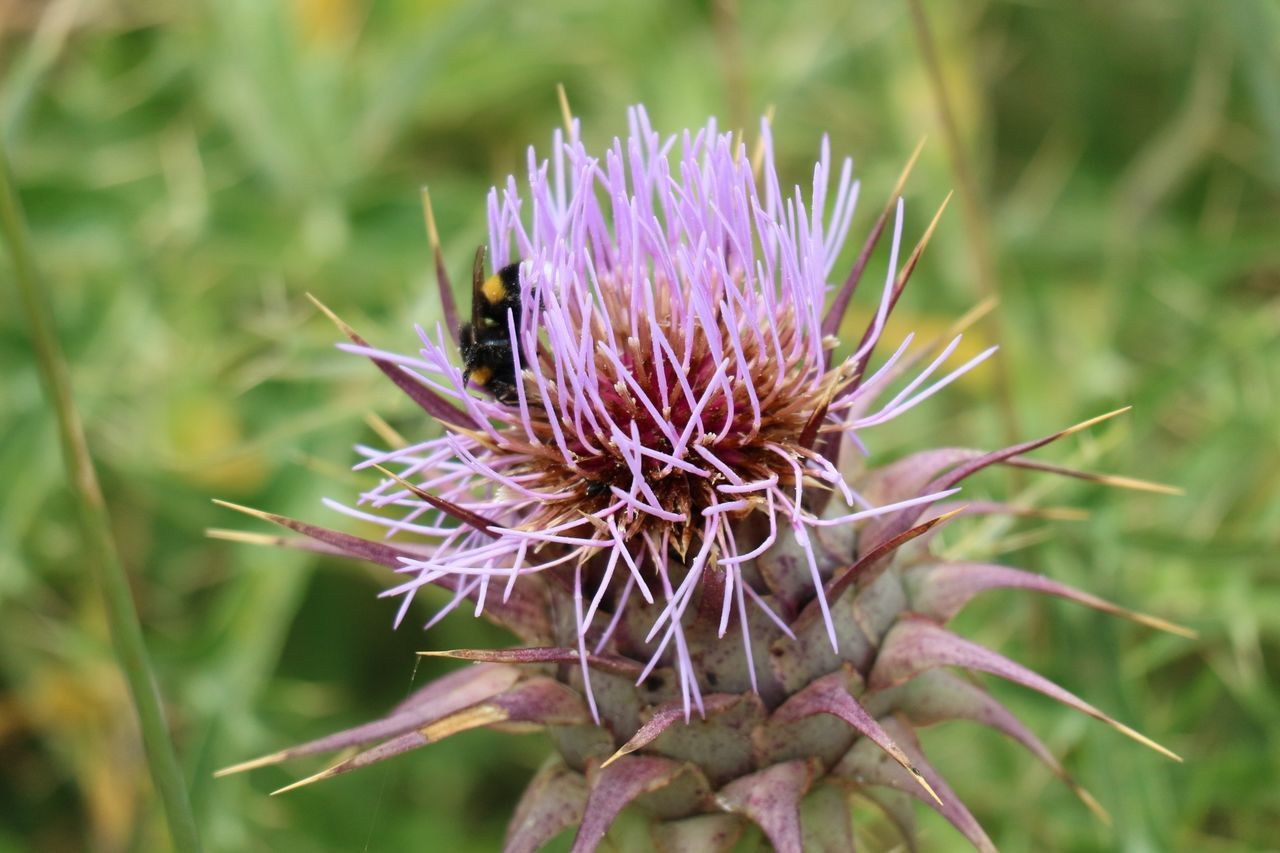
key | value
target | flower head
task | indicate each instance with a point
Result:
(678, 408)
(675, 450)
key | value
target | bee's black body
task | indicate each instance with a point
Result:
(485, 342)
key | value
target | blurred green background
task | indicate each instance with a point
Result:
(191, 170)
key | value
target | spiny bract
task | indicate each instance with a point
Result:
(726, 612)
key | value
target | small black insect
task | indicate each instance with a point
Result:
(595, 488)
(485, 342)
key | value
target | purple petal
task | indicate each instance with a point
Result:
(448, 308)
(439, 699)
(667, 715)
(866, 765)
(907, 517)
(940, 590)
(1114, 480)
(866, 568)
(613, 787)
(771, 798)
(915, 645)
(537, 701)
(429, 401)
(524, 613)
(542, 701)
(830, 695)
(905, 478)
(937, 696)
(473, 519)
(871, 336)
(555, 800)
(840, 304)
(336, 542)
(543, 654)
(459, 680)
(970, 508)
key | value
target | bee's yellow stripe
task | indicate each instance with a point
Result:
(494, 290)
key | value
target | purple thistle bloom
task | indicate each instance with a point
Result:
(677, 390)
(675, 453)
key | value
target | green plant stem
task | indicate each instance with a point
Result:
(99, 547)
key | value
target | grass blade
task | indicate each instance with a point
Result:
(100, 547)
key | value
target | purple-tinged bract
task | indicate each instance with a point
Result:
(683, 460)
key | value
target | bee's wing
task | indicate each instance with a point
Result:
(477, 280)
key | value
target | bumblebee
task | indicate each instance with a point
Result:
(485, 342)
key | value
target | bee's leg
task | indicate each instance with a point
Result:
(466, 346)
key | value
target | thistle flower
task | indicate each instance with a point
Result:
(726, 610)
